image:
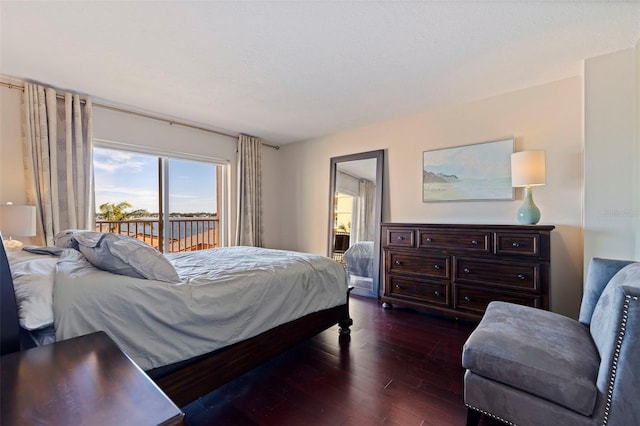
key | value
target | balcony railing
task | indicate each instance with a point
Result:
(185, 234)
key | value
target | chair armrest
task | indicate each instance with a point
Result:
(598, 276)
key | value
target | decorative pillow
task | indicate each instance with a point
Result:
(33, 276)
(124, 255)
(66, 239)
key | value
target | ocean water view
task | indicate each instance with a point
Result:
(469, 189)
(181, 227)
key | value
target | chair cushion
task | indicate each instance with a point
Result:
(539, 352)
(516, 407)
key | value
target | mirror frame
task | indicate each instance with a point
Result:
(378, 155)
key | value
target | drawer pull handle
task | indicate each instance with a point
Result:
(437, 293)
(436, 267)
(521, 276)
(474, 242)
(467, 298)
(400, 238)
(397, 262)
(466, 270)
(429, 239)
(516, 244)
(398, 286)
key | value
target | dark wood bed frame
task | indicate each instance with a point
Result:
(199, 376)
(219, 367)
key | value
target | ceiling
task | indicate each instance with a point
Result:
(294, 70)
(365, 169)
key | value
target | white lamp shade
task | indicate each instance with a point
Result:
(17, 221)
(528, 168)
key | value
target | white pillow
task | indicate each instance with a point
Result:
(33, 276)
(124, 255)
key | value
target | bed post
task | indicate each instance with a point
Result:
(347, 321)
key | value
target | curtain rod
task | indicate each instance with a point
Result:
(150, 116)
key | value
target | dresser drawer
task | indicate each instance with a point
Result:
(434, 293)
(466, 240)
(433, 266)
(401, 237)
(475, 300)
(520, 276)
(518, 244)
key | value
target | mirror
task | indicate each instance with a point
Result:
(355, 208)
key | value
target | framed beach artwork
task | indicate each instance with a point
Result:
(468, 173)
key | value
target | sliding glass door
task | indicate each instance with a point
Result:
(170, 203)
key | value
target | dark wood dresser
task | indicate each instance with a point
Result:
(456, 270)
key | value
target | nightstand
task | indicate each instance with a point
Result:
(86, 380)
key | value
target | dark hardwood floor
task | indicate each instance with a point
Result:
(401, 367)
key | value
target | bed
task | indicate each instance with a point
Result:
(194, 334)
(359, 259)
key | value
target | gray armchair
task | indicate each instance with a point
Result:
(527, 366)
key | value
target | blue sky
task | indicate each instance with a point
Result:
(125, 176)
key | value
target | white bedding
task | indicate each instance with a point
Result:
(226, 295)
(359, 259)
(33, 276)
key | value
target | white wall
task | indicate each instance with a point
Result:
(611, 156)
(545, 117)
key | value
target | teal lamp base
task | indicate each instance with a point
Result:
(528, 213)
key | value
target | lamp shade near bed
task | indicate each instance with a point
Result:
(17, 221)
(528, 170)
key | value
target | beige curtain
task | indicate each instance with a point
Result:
(363, 226)
(249, 211)
(57, 148)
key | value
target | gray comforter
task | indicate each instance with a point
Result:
(225, 296)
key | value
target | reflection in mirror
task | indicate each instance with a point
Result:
(355, 209)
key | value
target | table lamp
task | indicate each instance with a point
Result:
(16, 221)
(527, 170)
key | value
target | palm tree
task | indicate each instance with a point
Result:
(139, 213)
(113, 212)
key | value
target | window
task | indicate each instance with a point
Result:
(170, 203)
(343, 212)
(343, 208)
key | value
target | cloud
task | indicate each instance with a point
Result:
(109, 161)
(139, 198)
